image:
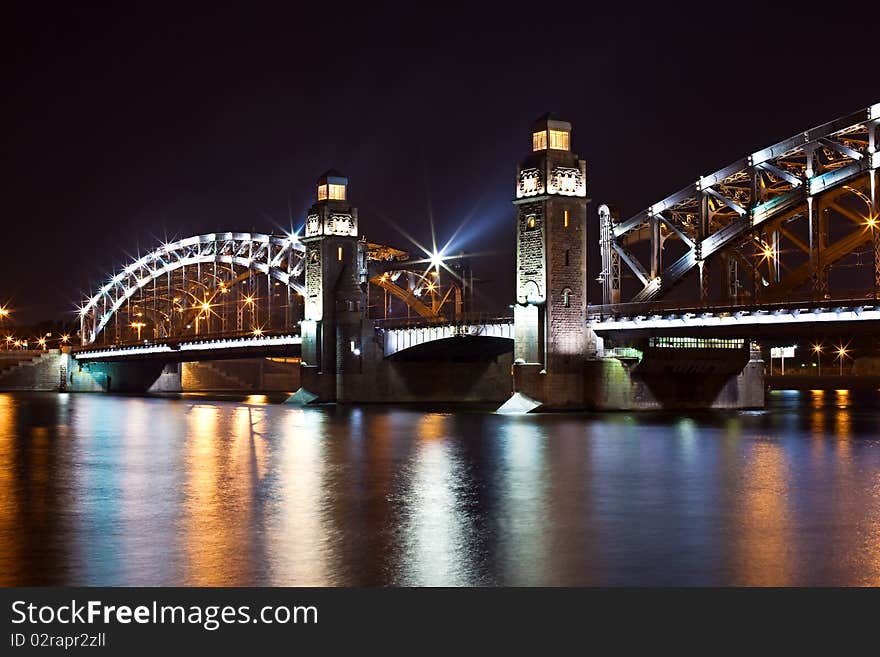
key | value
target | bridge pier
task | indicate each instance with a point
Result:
(127, 377)
(458, 369)
(648, 379)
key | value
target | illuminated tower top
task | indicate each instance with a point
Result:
(551, 168)
(332, 186)
(547, 132)
(331, 214)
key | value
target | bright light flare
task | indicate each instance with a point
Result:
(436, 260)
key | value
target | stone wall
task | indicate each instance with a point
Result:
(440, 379)
(619, 384)
(240, 375)
(233, 375)
(31, 370)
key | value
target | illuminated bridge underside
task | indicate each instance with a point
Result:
(747, 324)
(280, 345)
(767, 225)
(401, 339)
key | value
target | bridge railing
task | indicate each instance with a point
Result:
(852, 298)
(465, 319)
(188, 339)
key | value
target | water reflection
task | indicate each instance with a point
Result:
(96, 489)
(299, 536)
(762, 525)
(436, 525)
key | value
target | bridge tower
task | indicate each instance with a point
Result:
(551, 341)
(335, 279)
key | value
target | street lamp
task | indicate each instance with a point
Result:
(817, 349)
(135, 325)
(841, 354)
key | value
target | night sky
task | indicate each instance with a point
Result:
(127, 127)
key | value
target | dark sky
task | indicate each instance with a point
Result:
(123, 127)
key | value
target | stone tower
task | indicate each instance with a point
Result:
(551, 267)
(335, 275)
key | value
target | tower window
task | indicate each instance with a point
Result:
(339, 253)
(558, 140)
(332, 192)
(567, 252)
(566, 297)
(530, 222)
(539, 140)
(565, 218)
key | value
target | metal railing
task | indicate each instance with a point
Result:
(188, 339)
(852, 299)
(465, 319)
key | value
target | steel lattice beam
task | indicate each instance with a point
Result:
(752, 194)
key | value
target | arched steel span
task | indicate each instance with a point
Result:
(168, 303)
(427, 291)
(738, 217)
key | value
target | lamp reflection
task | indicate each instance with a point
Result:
(10, 535)
(523, 513)
(763, 532)
(437, 528)
(221, 512)
(300, 540)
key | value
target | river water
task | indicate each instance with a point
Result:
(114, 490)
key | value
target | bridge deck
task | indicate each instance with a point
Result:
(232, 347)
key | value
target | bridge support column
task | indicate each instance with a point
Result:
(128, 377)
(335, 300)
(551, 339)
(655, 378)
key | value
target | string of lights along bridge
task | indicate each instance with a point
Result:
(781, 245)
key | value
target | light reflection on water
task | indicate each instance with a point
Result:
(105, 490)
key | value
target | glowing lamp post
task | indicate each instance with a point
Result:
(841, 354)
(817, 349)
(138, 326)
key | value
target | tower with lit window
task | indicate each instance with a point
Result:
(335, 273)
(551, 259)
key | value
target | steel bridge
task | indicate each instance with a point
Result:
(780, 237)
(241, 294)
(782, 221)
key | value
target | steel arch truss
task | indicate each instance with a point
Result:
(738, 217)
(214, 283)
(420, 286)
